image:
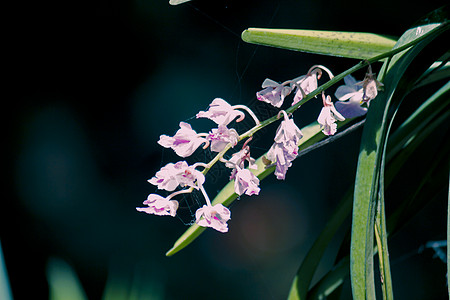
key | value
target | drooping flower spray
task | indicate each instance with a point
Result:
(181, 178)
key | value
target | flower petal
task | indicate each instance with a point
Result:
(246, 182)
(351, 109)
(158, 205)
(345, 92)
(269, 83)
(215, 217)
(221, 112)
(184, 142)
(350, 80)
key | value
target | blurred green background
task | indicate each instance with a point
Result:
(94, 85)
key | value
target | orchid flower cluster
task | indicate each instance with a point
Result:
(354, 98)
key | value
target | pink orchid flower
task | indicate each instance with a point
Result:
(371, 86)
(352, 92)
(282, 154)
(221, 137)
(273, 92)
(246, 182)
(221, 112)
(238, 159)
(285, 148)
(308, 83)
(288, 132)
(160, 206)
(305, 85)
(179, 174)
(328, 116)
(184, 142)
(213, 216)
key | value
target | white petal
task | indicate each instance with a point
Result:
(220, 102)
(269, 83)
(344, 92)
(336, 114)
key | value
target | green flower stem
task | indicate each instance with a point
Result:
(383, 257)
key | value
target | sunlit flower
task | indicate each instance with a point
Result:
(350, 109)
(305, 85)
(370, 85)
(179, 174)
(328, 116)
(273, 92)
(221, 112)
(184, 142)
(213, 216)
(308, 83)
(246, 182)
(288, 132)
(285, 148)
(352, 92)
(238, 159)
(158, 205)
(282, 154)
(222, 136)
(357, 93)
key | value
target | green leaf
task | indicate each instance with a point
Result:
(408, 210)
(333, 279)
(359, 45)
(63, 281)
(419, 120)
(426, 189)
(381, 236)
(5, 289)
(375, 133)
(438, 71)
(302, 280)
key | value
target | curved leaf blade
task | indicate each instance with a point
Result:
(331, 281)
(369, 162)
(359, 45)
(418, 120)
(302, 281)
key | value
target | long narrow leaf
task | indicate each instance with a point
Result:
(5, 290)
(381, 235)
(302, 280)
(63, 281)
(359, 45)
(330, 281)
(369, 162)
(419, 119)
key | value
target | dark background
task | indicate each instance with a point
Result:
(95, 83)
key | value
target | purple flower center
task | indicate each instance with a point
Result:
(180, 141)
